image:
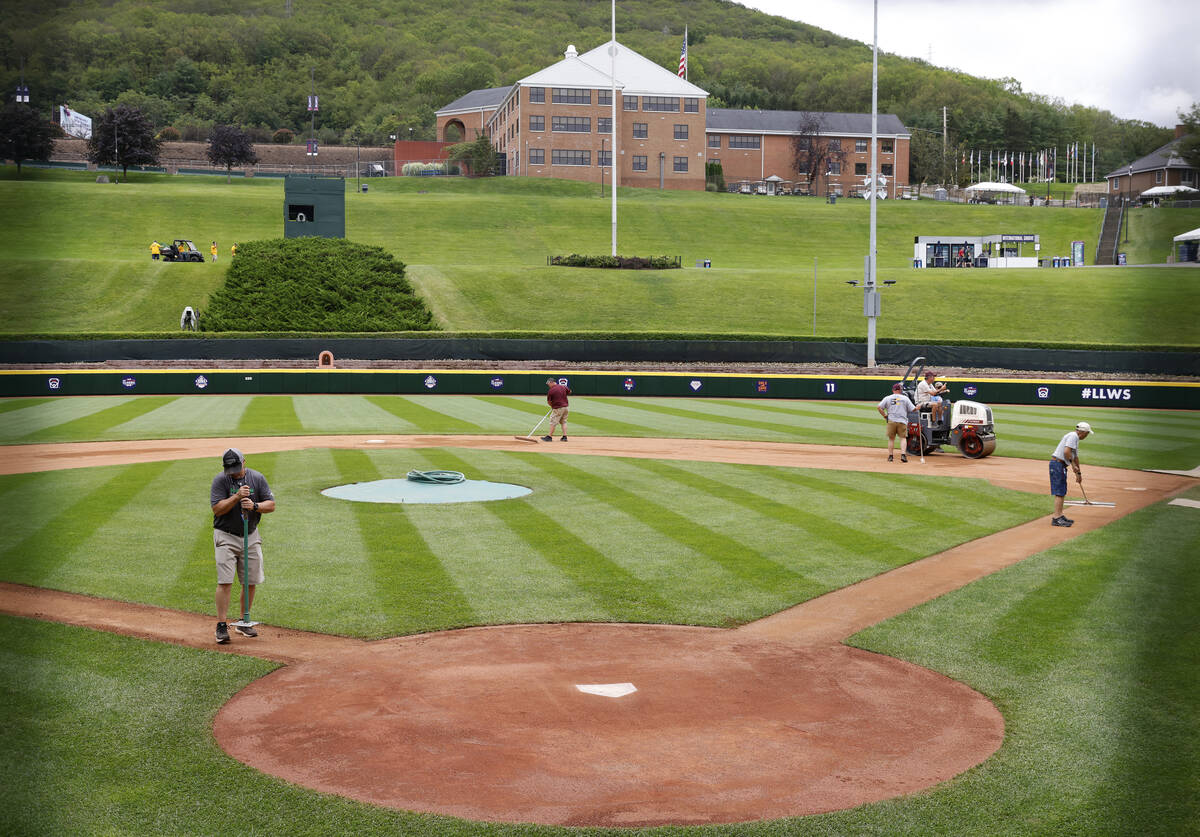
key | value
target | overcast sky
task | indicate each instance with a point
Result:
(1139, 60)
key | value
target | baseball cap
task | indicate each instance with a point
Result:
(234, 461)
(896, 387)
(1085, 427)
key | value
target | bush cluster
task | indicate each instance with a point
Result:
(425, 169)
(316, 285)
(618, 262)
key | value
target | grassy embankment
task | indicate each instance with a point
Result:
(476, 250)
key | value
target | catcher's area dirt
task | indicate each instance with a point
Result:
(773, 719)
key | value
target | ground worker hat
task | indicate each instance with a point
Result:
(1085, 427)
(233, 461)
(897, 387)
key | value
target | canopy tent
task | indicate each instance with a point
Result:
(1164, 191)
(1191, 235)
(995, 187)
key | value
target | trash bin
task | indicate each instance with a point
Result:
(916, 262)
(364, 187)
(1054, 262)
(833, 198)
(708, 262)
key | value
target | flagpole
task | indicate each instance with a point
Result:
(871, 295)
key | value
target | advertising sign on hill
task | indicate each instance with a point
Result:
(74, 124)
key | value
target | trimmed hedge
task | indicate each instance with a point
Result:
(617, 262)
(315, 285)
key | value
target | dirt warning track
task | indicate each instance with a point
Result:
(618, 725)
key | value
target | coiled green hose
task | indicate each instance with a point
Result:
(438, 477)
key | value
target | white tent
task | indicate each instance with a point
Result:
(995, 187)
(1164, 191)
(1191, 235)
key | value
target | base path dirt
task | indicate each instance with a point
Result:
(618, 725)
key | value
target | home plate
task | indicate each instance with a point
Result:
(612, 690)
(1183, 501)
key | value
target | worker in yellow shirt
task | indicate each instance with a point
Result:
(233, 250)
(155, 250)
(213, 250)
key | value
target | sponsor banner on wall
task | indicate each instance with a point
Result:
(73, 123)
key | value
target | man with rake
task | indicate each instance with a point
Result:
(1067, 453)
(556, 397)
(239, 498)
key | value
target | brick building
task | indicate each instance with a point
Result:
(1162, 167)
(558, 123)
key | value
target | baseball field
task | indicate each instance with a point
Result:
(708, 617)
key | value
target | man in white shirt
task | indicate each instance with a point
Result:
(895, 409)
(1067, 453)
(930, 392)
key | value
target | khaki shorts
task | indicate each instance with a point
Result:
(229, 557)
(558, 415)
(897, 428)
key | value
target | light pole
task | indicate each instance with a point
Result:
(603, 140)
(870, 293)
(22, 90)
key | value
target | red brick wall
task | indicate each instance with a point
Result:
(775, 157)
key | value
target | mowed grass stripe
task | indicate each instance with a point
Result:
(416, 413)
(744, 562)
(45, 555)
(500, 576)
(10, 404)
(196, 416)
(276, 412)
(97, 425)
(619, 592)
(347, 414)
(412, 586)
(683, 420)
(22, 425)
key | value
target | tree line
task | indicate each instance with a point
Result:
(383, 67)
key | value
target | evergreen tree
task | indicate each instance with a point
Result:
(24, 135)
(123, 137)
(230, 146)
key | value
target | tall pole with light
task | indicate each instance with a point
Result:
(612, 49)
(870, 293)
(22, 90)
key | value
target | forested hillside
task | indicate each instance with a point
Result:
(382, 67)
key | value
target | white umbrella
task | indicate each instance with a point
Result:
(1191, 235)
(995, 187)
(1163, 191)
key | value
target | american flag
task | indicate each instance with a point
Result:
(683, 56)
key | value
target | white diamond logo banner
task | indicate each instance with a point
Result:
(695, 385)
(611, 690)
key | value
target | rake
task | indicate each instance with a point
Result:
(530, 438)
(1086, 501)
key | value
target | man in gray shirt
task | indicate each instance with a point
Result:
(239, 498)
(895, 409)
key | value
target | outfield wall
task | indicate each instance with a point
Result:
(1100, 392)
(1112, 362)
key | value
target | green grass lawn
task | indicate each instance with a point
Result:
(476, 251)
(1089, 650)
(1152, 231)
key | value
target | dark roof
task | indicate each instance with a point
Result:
(787, 122)
(490, 98)
(1166, 157)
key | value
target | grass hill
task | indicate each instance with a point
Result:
(78, 261)
(382, 67)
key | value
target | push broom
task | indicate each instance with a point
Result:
(245, 622)
(530, 438)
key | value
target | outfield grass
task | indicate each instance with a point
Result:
(1089, 650)
(1163, 439)
(1152, 231)
(476, 250)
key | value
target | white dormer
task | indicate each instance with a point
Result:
(571, 52)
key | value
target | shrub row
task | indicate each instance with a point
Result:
(618, 262)
(315, 285)
(426, 169)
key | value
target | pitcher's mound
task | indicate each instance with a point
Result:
(677, 725)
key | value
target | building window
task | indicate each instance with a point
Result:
(860, 169)
(537, 156)
(1158, 176)
(680, 164)
(744, 141)
(1187, 177)
(860, 145)
(887, 146)
(668, 104)
(641, 130)
(571, 96)
(681, 132)
(714, 140)
(835, 145)
(1116, 183)
(604, 97)
(639, 162)
(571, 124)
(570, 157)
(629, 102)
(604, 158)
(835, 168)
(537, 95)
(691, 105)
(886, 169)
(604, 125)
(537, 123)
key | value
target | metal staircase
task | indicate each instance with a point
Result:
(1110, 234)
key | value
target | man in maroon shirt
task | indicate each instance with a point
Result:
(556, 397)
